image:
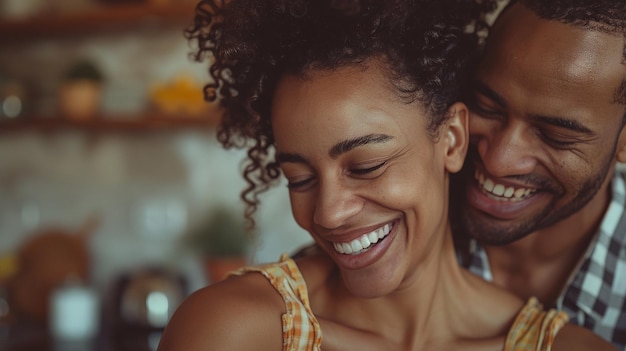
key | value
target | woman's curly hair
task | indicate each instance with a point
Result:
(251, 44)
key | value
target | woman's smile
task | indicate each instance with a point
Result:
(364, 242)
(363, 252)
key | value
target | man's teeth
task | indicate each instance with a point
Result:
(364, 242)
(500, 190)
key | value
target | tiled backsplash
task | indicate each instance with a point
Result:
(147, 191)
(147, 187)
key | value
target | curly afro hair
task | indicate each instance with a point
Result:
(251, 44)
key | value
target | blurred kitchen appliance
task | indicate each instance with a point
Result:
(12, 98)
(45, 261)
(74, 312)
(142, 303)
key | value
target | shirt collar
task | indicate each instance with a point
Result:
(592, 285)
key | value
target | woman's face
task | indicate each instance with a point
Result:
(365, 178)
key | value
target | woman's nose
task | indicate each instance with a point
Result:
(336, 202)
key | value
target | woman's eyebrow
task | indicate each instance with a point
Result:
(284, 157)
(347, 145)
(338, 149)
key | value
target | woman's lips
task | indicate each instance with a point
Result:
(364, 242)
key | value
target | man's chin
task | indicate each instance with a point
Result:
(491, 231)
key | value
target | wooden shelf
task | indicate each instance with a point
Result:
(107, 124)
(111, 17)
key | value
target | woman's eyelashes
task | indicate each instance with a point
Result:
(368, 170)
(299, 184)
(302, 183)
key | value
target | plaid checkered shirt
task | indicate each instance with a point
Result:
(595, 295)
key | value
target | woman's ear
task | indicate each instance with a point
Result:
(621, 146)
(456, 137)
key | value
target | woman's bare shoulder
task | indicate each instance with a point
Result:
(572, 338)
(240, 313)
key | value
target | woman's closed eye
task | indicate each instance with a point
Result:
(367, 170)
(299, 184)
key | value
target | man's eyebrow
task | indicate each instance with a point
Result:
(337, 149)
(563, 123)
(485, 90)
(560, 122)
(350, 144)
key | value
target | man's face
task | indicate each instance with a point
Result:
(544, 125)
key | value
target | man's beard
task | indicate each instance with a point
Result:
(466, 224)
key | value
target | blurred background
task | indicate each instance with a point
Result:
(113, 191)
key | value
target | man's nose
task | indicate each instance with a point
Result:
(506, 148)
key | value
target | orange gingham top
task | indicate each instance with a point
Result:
(301, 330)
(533, 330)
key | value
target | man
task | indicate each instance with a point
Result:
(540, 195)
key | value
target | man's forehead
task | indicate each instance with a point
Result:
(537, 66)
(521, 38)
(517, 19)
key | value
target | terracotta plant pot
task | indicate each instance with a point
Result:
(80, 99)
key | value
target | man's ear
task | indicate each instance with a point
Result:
(455, 135)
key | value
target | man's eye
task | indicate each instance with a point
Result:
(483, 111)
(558, 140)
(365, 171)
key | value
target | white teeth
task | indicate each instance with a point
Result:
(498, 189)
(373, 237)
(346, 248)
(509, 193)
(364, 242)
(488, 185)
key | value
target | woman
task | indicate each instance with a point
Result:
(354, 102)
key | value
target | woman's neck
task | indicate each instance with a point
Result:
(439, 302)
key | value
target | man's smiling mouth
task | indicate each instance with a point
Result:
(501, 192)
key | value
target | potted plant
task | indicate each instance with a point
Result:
(223, 242)
(80, 92)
